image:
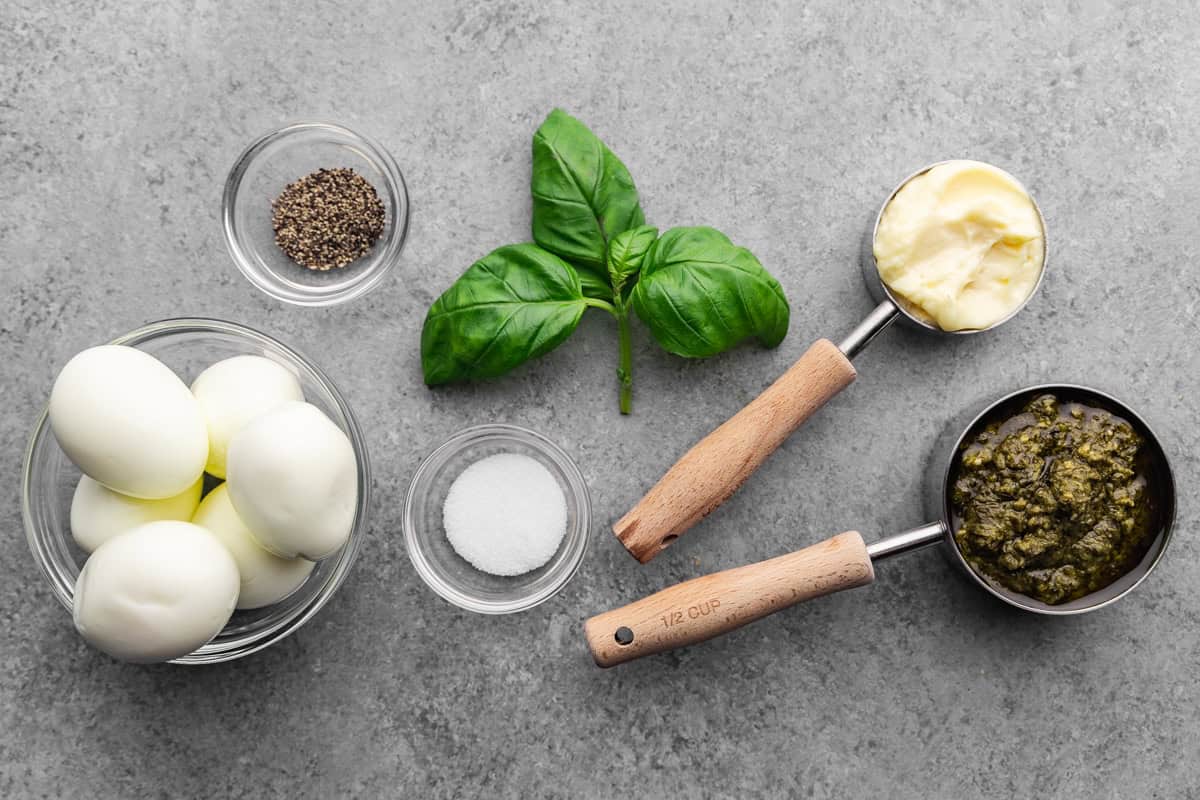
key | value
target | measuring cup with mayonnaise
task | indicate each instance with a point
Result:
(958, 247)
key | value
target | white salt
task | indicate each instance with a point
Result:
(505, 514)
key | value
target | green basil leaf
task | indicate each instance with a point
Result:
(594, 285)
(700, 294)
(626, 252)
(514, 304)
(582, 195)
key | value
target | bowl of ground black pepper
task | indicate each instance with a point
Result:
(315, 214)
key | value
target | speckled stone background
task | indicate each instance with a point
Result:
(785, 124)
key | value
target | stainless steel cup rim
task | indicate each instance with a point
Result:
(1165, 479)
(881, 291)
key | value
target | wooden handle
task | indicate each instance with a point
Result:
(722, 461)
(702, 608)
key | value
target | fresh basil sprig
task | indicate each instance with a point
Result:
(698, 293)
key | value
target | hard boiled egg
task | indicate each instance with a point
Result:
(266, 578)
(156, 592)
(98, 513)
(293, 480)
(128, 422)
(235, 391)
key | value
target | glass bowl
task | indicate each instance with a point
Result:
(188, 346)
(449, 574)
(268, 165)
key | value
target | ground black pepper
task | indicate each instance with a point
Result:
(328, 218)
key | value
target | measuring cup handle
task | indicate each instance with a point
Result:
(720, 463)
(702, 608)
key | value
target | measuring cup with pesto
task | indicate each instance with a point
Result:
(1056, 499)
(958, 247)
(1054, 502)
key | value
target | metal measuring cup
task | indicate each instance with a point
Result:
(709, 606)
(716, 466)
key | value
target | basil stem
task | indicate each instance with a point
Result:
(625, 363)
(620, 311)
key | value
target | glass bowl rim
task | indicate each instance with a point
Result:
(64, 590)
(360, 282)
(577, 537)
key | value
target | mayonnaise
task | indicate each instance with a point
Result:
(961, 245)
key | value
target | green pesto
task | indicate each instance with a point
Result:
(1051, 503)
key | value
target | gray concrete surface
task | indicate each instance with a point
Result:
(784, 124)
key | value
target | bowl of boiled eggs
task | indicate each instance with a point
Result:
(194, 492)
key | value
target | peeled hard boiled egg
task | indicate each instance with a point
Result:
(266, 578)
(293, 480)
(98, 513)
(235, 391)
(128, 422)
(156, 592)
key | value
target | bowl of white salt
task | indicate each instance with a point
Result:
(497, 519)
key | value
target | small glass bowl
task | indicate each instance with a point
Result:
(449, 574)
(268, 165)
(188, 346)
